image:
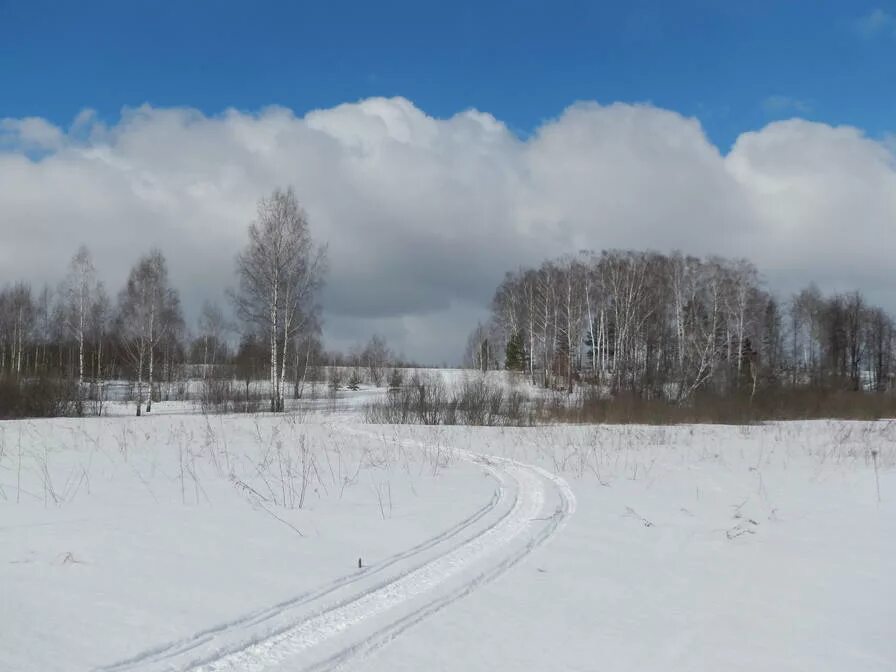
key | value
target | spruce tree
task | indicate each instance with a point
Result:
(354, 381)
(515, 354)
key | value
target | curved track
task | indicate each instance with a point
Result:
(327, 628)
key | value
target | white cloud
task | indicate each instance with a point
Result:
(779, 104)
(424, 215)
(30, 133)
(889, 141)
(876, 22)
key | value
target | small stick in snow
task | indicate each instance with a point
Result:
(738, 530)
(70, 559)
(631, 512)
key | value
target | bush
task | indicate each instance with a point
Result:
(354, 381)
(221, 396)
(39, 398)
(707, 407)
(334, 379)
(396, 380)
(425, 400)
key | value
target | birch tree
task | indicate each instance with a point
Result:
(280, 274)
(213, 327)
(880, 348)
(79, 292)
(148, 308)
(19, 312)
(100, 318)
(649, 324)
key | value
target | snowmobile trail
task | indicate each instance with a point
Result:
(332, 626)
(179, 648)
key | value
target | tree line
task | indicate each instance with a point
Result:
(671, 326)
(79, 335)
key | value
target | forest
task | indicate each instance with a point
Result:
(674, 327)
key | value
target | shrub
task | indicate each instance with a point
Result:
(39, 398)
(218, 395)
(739, 408)
(426, 400)
(354, 381)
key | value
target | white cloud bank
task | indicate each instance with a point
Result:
(423, 215)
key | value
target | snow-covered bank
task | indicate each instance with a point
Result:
(154, 543)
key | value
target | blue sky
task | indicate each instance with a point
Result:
(734, 65)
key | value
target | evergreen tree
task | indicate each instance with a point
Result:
(772, 340)
(515, 353)
(354, 381)
(396, 380)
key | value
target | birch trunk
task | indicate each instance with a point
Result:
(152, 316)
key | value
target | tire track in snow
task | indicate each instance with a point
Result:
(384, 635)
(290, 642)
(169, 652)
(328, 624)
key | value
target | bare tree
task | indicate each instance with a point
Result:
(806, 335)
(17, 311)
(79, 292)
(739, 282)
(99, 324)
(280, 273)
(213, 328)
(148, 308)
(772, 340)
(478, 354)
(574, 312)
(855, 313)
(308, 352)
(632, 321)
(880, 348)
(376, 358)
(46, 331)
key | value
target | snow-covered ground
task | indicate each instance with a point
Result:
(178, 541)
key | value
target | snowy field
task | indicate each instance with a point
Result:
(183, 542)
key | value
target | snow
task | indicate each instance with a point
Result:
(176, 541)
(810, 589)
(150, 562)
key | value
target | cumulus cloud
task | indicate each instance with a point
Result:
(423, 215)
